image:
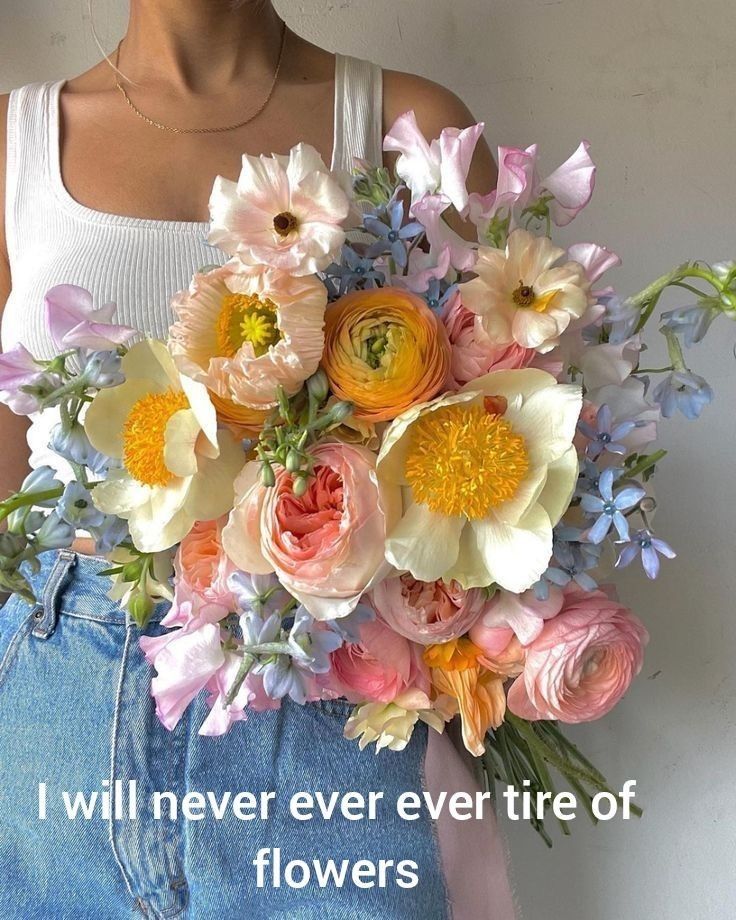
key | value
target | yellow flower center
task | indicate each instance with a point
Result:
(247, 318)
(525, 296)
(464, 460)
(377, 345)
(456, 655)
(284, 223)
(143, 436)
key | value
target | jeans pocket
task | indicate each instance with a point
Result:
(16, 622)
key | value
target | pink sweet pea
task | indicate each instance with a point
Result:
(514, 187)
(222, 715)
(380, 667)
(428, 211)
(582, 662)
(571, 186)
(185, 660)
(520, 615)
(439, 166)
(73, 322)
(18, 369)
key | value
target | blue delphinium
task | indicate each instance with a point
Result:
(650, 547)
(70, 441)
(683, 391)
(76, 507)
(693, 322)
(610, 507)
(620, 319)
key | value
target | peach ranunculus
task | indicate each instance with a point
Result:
(380, 667)
(473, 353)
(522, 295)
(427, 612)
(582, 662)
(385, 351)
(202, 566)
(458, 673)
(326, 546)
(243, 332)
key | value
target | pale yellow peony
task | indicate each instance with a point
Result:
(177, 467)
(485, 475)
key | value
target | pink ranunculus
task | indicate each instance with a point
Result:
(185, 660)
(473, 354)
(378, 668)
(427, 612)
(327, 546)
(73, 322)
(202, 566)
(582, 662)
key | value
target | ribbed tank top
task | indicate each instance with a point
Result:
(139, 264)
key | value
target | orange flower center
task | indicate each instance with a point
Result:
(144, 436)
(455, 655)
(463, 460)
(525, 296)
(247, 318)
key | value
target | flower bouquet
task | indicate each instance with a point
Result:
(373, 460)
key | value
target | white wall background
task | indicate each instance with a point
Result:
(652, 85)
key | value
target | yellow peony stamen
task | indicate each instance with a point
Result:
(526, 296)
(143, 436)
(463, 460)
(247, 318)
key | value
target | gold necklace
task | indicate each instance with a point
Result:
(175, 130)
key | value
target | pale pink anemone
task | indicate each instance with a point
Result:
(327, 546)
(522, 295)
(380, 667)
(244, 332)
(427, 612)
(582, 662)
(285, 212)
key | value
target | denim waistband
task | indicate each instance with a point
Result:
(72, 584)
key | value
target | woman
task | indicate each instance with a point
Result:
(104, 189)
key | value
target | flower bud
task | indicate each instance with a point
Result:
(318, 386)
(267, 475)
(293, 461)
(55, 533)
(140, 608)
(300, 486)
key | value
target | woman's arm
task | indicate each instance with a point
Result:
(13, 428)
(436, 108)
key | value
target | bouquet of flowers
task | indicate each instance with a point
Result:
(374, 460)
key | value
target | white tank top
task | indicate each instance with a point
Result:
(139, 264)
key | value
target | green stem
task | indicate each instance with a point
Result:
(23, 499)
(646, 463)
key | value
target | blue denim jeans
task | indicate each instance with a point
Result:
(76, 715)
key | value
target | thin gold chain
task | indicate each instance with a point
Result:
(176, 130)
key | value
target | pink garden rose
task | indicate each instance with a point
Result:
(582, 662)
(327, 546)
(427, 612)
(202, 566)
(381, 667)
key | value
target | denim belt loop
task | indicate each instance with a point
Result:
(58, 576)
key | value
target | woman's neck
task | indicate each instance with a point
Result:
(200, 46)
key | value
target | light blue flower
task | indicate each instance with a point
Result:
(281, 677)
(392, 236)
(101, 369)
(620, 319)
(693, 322)
(572, 558)
(312, 644)
(650, 547)
(589, 478)
(610, 507)
(54, 533)
(349, 627)
(76, 507)
(605, 436)
(434, 296)
(109, 534)
(71, 443)
(684, 391)
(42, 479)
(261, 594)
(354, 271)
(258, 631)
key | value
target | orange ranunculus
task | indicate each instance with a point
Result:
(384, 351)
(480, 699)
(241, 420)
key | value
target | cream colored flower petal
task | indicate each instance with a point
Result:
(511, 384)
(164, 519)
(529, 256)
(547, 421)
(526, 495)
(516, 556)
(150, 360)
(201, 406)
(531, 329)
(107, 414)
(562, 477)
(424, 543)
(180, 441)
(470, 569)
(120, 494)
(212, 492)
(241, 536)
